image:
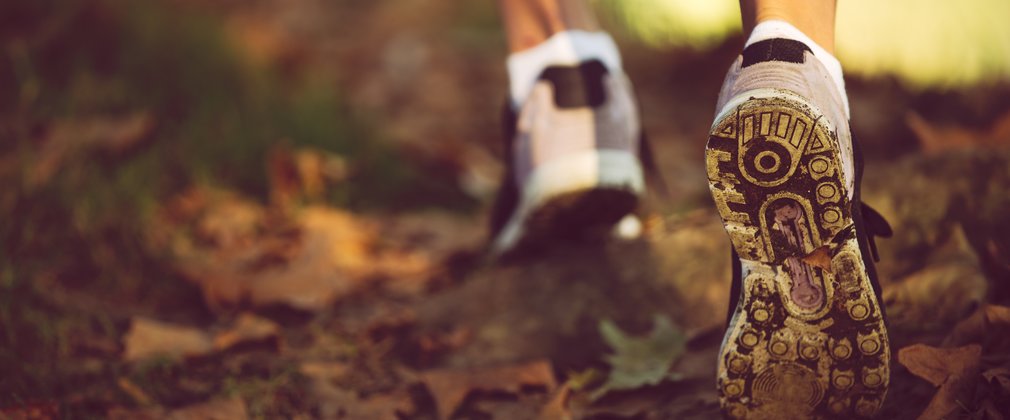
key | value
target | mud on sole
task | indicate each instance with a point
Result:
(807, 339)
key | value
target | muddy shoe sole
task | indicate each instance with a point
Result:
(807, 338)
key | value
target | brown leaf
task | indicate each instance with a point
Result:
(1000, 375)
(149, 338)
(525, 406)
(324, 371)
(382, 406)
(404, 273)
(302, 174)
(948, 397)
(122, 413)
(557, 408)
(936, 364)
(231, 222)
(435, 344)
(953, 370)
(222, 409)
(70, 137)
(449, 387)
(41, 410)
(283, 177)
(135, 392)
(229, 409)
(415, 246)
(987, 321)
(247, 328)
(239, 252)
(329, 259)
(819, 257)
(335, 400)
(988, 411)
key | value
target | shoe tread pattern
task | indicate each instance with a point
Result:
(807, 339)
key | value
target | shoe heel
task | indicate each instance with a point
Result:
(807, 338)
(570, 214)
(569, 196)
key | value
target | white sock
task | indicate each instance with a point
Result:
(563, 48)
(781, 29)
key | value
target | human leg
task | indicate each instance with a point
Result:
(815, 18)
(530, 22)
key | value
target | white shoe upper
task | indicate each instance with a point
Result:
(810, 80)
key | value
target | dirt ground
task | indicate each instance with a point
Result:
(277, 300)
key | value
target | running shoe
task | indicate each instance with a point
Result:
(572, 158)
(806, 336)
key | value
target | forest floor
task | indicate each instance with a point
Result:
(278, 209)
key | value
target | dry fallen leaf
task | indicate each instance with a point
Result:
(123, 413)
(449, 387)
(335, 400)
(240, 252)
(221, 409)
(70, 137)
(955, 371)
(988, 321)
(247, 328)
(231, 222)
(227, 409)
(41, 410)
(380, 406)
(525, 406)
(302, 174)
(640, 361)
(404, 273)
(330, 260)
(437, 343)
(819, 257)
(1000, 375)
(937, 364)
(322, 388)
(324, 371)
(557, 408)
(148, 338)
(134, 391)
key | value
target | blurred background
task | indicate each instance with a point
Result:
(276, 208)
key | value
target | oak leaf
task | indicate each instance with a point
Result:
(247, 328)
(148, 338)
(640, 361)
(954, 371)
(449, 387)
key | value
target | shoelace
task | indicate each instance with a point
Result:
(876, 226)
